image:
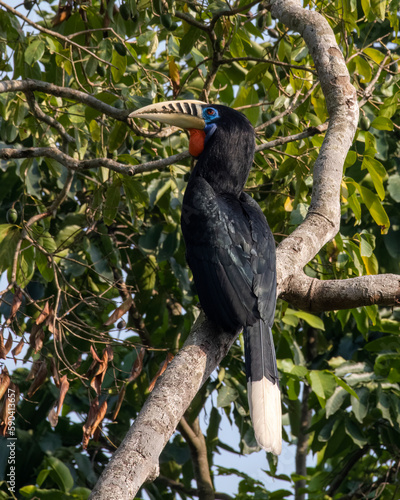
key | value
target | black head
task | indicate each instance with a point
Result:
(229, 146)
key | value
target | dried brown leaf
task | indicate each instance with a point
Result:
(39, 377)
(161, 370)
(4, 382)
(50, 322)
(137, 365)
(43, 314)
(110, 353)
(16, 304)
(54, 372)
(119, 312)
(53, 416)
(121, 396)
(17, 350)
(8, 408)
(4, 349)
(94, 354)
(95, 417)
(100, 373)
(63, 392)
(36, 338)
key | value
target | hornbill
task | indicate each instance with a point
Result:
(229, 246)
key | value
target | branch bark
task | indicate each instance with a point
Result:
(311, 294)
(322, 221)
(136, 459)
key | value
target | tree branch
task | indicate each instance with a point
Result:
(302, 444)
(36, 111)
(174, 485)
(79, 165)
(66, 92)
(198, 451)
(339, 478)
(322, 221)
(311, 294)
(136, 459)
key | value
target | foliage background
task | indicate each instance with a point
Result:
(78, 239)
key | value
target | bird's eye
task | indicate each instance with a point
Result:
(211, 112)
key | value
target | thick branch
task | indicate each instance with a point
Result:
(311, 294)
(136, 459)
(322, 221)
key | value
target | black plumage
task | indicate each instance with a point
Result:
(230, 248)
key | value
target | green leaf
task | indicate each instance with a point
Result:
(376, 55)
(394, 187)
(382, 123)
(389, 107)
(45, 267)
(360, 403)
(99, 261)
(363, 68)
(188, 40)
(367, 244)
(311, 319)
(213, 429)
(226, 396)
(384, 344)
(375, 208)
(119, 66)
(9, 236)
(26, 264)
(345, 386)
(383, 404)
(335, 402)
(322, 383)
(298, 214)
(236, 47)
(355, 433)
(60, 473)
(34, 52)
(379, 8)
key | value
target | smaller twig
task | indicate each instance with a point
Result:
(369, 88)
(293, 105)
(291, 138)
(270, 61)
(40, 115)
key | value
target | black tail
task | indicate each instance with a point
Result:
(263, 386)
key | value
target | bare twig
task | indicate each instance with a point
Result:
(36, 111)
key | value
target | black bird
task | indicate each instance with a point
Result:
(229, 246)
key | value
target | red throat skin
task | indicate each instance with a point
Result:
(196, 142)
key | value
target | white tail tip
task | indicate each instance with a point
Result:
(266, 414)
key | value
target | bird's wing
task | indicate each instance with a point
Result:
(263, 260)
(228, 254)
